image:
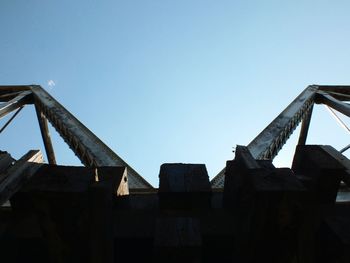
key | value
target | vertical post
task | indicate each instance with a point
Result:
(101, 227)
(305, 127)
(45, 135)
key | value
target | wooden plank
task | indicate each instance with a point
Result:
(60, 180)
(181, 187)
(19, 173)
(181, 178)
(322, 175)
(45, 134)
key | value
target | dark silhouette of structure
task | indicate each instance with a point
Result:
(106, 212)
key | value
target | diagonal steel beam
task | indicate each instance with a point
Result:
(87, 146)
(268, 143)
(15, 103)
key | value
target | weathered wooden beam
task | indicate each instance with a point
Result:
(13, 104)
(18, 174)
(322, 170)
(258, 195)
(45, 134)
(101, 235)
(181, 187)
(74, 207)
(321, 175)
(184, 185)
(5, 161)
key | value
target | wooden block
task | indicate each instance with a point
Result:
(5, 162)
(323, 171)
(178, 239)
(183, 178)
(18, 174)
(74, 210)
(266, 203)
(60, 179)
(101, 235)
(184, 186)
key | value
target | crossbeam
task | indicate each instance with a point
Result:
(332, 102)
(15, 103)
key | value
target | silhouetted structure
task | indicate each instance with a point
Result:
(106, 212)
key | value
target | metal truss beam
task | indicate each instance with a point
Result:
(332, 102)
(11, 119)
(305, 127)
(15, 103)
(87, 146)
(9, 92)
(268, 143)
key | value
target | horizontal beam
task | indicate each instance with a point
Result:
(323, 97)
(87, 146)
(7, 92)
(13, 104)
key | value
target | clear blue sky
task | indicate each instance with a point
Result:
(173, 81)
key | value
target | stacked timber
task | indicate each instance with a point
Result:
(263, 214)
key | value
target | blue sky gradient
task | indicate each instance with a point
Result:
(173, 81)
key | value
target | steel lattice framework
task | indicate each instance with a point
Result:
(94, 153)
(91, 151)
(269, 142)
